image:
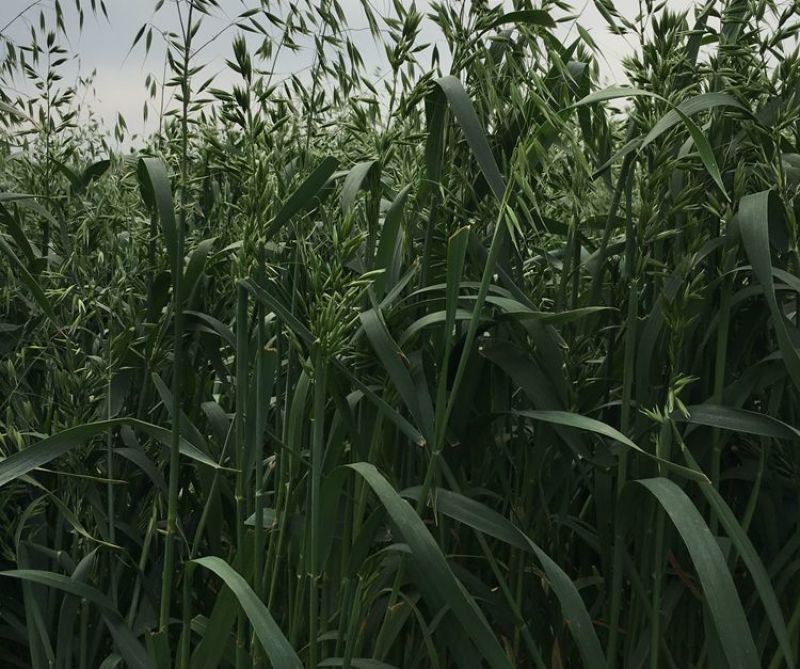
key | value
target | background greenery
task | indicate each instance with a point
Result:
(477, 367)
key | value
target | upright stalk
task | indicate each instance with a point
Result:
(258, 533)
(177, 365)
(317, 454)
(240, 424)
(628, 367)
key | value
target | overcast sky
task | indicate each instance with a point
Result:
(119, 81)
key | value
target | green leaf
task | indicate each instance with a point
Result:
(738, 420)
(718, 587)
(303, 198)
(579, 422)
(706, 153)
(356, 663)
(436, 578)
(39, 454)
(694, 105)
(273, 641)
(18, 234)
(464, 111)
(390, 236)
(485, 520)
(354, 181)
(754, 565)
(678, 113)
(196, 266)
(93, 172)
(157, 193)
(531, 17)
(757, 212)
(397, 366)
(128, 645)
(27, 278)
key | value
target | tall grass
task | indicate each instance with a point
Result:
(490, 366)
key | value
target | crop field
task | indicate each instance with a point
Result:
(482, 362)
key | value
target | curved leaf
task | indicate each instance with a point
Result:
(718, 587)
(273, 641)
(437, 579)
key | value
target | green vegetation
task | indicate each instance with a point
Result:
(477, 365)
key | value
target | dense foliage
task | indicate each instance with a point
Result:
(478, 365)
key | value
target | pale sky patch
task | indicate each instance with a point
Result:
(119, 80)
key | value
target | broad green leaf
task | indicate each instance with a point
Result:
(568, 419)
(706, 153)
(196, 267)
(157, 194)
(718, 586)
(754, 565)
(303, 198)
(390, 237)
(274, 643)
(356, 663)
(689, 107)
(27, 278)
(48, 449)
(756, 212)
(531, 17)
(464, 111)
(18, 234)
(485, 520)
(128, 645)
(738, 420)
(437, 579)
(354, 182)
(398, 368)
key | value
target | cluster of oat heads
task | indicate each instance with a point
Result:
(461, 361)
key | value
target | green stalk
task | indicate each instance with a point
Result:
(498, 237)
(520, 621)
(174, 459)
(662, 451)
(240, 422)
(177, 365)
(317, 453)
(110, 472)
(794, 630)
(258, 533)
(186, 605)
(137, 587)
(628, 368)
(720, 361)
(351, 638)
